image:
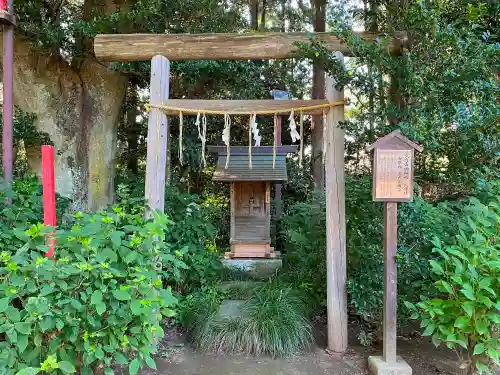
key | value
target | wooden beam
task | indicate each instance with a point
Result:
(192, 107)
(390, 281)
(249, 46)
(157, 135)
(335, 223)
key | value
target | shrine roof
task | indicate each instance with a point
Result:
(238, 168)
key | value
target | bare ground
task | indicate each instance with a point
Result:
(176, 357)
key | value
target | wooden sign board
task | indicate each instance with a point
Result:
(393, 168)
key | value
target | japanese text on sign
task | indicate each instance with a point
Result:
(393, 174)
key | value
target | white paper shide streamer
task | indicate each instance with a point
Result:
(293, 127)
(226, 137)
(202, 135)
(255, 131)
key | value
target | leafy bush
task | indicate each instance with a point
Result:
(102, 300)
(25, 209)
(273, 321)
(466, 313)
(190, 234)
(418, 222)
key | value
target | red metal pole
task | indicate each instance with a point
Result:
(8, 106)
(49, 193)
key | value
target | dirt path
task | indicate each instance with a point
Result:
(178, 358)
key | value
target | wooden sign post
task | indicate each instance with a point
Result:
(392, 183)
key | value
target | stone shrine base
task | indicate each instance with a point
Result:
(378, 366)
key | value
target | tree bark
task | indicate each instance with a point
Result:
(254, 14)
(79, 109)
(132, 129)
(318, 92)
(262, 26)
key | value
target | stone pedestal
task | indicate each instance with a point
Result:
(258, 269)
(379, 367)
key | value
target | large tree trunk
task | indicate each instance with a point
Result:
(318, 92)
(79, 109)
(254, 14)
(133, 129)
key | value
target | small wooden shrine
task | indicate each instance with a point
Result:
(250, 175)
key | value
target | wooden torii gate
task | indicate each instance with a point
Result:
(254, 46)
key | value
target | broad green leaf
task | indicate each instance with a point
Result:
(47, 324)
(429, 330)
(485, 301)
(28, 371)
(134, 366)
(59, 324)
(24, 328)
(4, 303)
(468, 307)
(121, 295)
(468, 292)
(168, 297)
(99, 353)
(22, 342)
(485, 283)
(494, 317)
(96, 297)
(100, 308)
(493, 354)
(90, 229)
(169, 313)
(436, 267)
(150, 362)
(135, 307)
(109, 371)
(38, 340)
(444, 286)
(457, 253)
(479, 349)
(67, 367)
(410, 305)
(107, 254)
(462, 322)
(436, 340)
(120, 358)
(482, 368)
(131, 257)
(76, 304)
(12, 335)
(482, 326)
(116, 238)
(436, 241)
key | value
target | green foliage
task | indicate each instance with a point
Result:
(190, 234)
(273, 321)
(441, 90)
(26, 209)
(418, 223)
(303, 231)
(466, 312)
(101, 302)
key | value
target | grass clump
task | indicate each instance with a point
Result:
(274, 321)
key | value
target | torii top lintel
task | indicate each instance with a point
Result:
(247, 46)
